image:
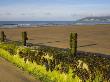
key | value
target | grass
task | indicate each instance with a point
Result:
(11, 53)
(37, 70)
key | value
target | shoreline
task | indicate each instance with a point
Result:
(44, 25)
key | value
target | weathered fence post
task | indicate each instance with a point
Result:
(73, 44)
(3, 36)
(24, 38)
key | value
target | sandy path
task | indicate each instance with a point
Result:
(10, 73)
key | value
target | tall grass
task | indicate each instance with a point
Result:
(93, 69)
(37, 70)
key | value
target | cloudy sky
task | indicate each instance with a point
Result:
(47, 10)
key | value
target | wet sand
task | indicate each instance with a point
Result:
(91, 38)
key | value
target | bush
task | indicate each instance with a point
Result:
(60, 66)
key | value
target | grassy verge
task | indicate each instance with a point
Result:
(37, 70)
(55, 65)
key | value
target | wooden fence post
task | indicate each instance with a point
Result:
(3, 36)
(24, 38)
(73, 44)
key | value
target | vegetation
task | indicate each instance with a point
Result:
(51, 64)
(39, 71)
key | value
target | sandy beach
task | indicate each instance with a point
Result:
(91, 38)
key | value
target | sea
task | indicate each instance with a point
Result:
(33, 23)
(13, 24)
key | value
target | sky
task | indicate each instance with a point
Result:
(52, 10)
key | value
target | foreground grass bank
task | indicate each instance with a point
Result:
(37, 70)
(56, 65)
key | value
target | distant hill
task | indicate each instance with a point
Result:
(95, 19)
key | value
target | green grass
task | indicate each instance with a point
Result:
(37, 70)
(11, 53)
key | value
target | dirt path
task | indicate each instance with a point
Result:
(10, 73)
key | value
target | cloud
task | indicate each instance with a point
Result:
(8, 13)
(48, 13)
(5, 14)
(23, 14)
(52, 11)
